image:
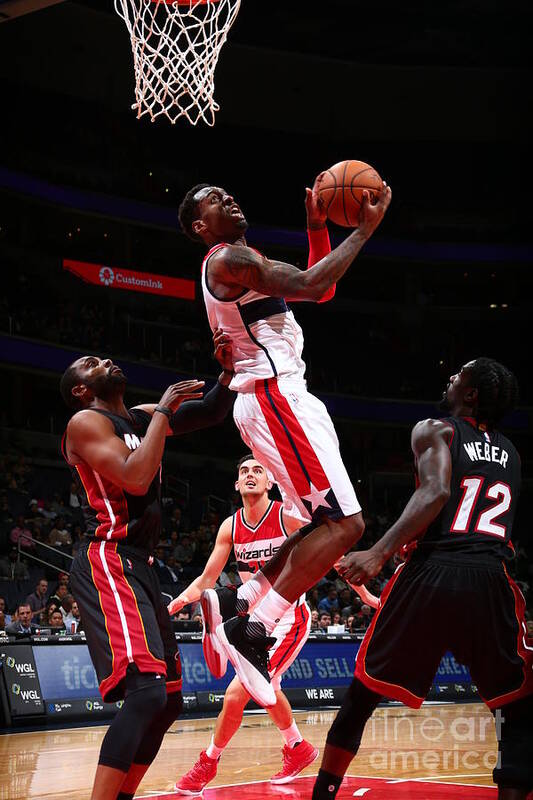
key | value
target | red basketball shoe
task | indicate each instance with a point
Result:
(199, 776)
(295, 759)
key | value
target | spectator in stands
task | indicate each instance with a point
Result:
(329, 603)
(59, 595)
(37, 601)
(345, 598)
(336, 620)
(184, 551)
(165, 575)
(362, 620)
(55, 621)
(2, 621)
(323, 622)
(11, 569)
(73, 499)
(45, 510)
(314, 620)
(59, 535)
(72, 619)
(23, 626)
(313, 597)
(353, 609)
(7, 617)
(21, 532)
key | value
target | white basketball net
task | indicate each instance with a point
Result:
(175, 52)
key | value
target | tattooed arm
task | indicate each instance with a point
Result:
(237, 267)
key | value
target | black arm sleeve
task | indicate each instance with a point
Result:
(196, 414)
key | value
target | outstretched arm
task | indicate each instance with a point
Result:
(214, 407)
(211, 573)
(240, 267)
(430, 443)
(91, 438)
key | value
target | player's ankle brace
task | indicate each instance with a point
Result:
(145, 699)
(326, 786)
(356, 709)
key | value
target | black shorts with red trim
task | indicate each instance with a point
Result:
(439, 604)
(124, 616)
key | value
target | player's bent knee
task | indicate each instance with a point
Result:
(352, 528)
(357, 707)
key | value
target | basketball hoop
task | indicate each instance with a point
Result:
(176, 45)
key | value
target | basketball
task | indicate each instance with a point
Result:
(341, 189)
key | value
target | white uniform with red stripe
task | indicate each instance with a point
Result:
(287, 429)
(253, 546)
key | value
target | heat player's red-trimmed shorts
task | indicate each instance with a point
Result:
(440, 603)
(291, 433)
(124, 616)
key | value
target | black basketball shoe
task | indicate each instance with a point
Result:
(246, 645)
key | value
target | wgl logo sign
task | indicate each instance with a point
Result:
(107, 276)
(25, 694)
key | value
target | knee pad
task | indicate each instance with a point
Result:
(515, 745)
(356, 709)
(145, 699)
(151, 743)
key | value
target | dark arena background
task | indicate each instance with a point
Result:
(437, 97)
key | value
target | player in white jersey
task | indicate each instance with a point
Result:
(287, 428)
(255, 533)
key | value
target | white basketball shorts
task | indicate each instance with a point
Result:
(291, 634)
(291, 433)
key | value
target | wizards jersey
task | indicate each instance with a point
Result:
(110, 512)
(266, 339)
(485, 485)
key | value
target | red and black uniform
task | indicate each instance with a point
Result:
(454, 593)
(118, 593)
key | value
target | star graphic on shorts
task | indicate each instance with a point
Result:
(317, 498)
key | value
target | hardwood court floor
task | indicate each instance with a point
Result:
(442, 743)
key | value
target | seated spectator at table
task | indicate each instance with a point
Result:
(314, 621)
(59, 595)
(3, 609)
(59, 535)
(2, 622)
(323, 622)
(22, 532)
(337, 619)
(38, 599)
(183, 614)
(72, 620)
(12, 568)
(55, 621)
(329, 603)
(23, 626)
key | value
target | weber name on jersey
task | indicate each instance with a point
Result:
(485, 486)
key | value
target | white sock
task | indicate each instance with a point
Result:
(213, 751)
(254, 590)
(291, 735)
(270, 610)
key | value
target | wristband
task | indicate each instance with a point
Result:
(164, 410)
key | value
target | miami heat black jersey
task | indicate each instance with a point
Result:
(485, 485)
(110, 513)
